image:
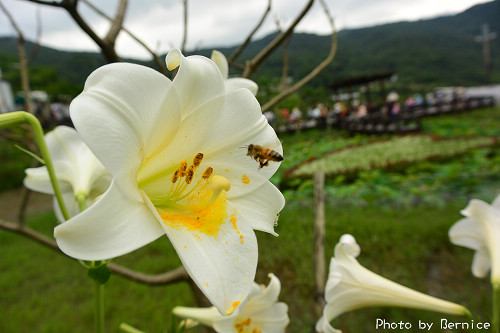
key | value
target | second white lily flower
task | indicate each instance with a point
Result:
(259, 312)
(351, 286)
(79, 173)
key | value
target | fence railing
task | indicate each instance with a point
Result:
(408, 119)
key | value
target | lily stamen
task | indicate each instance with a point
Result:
(175, 176)
(190, 174)
(197, 160)
(207, 173)
(183, 168)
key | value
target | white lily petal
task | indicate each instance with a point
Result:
(64, 144)
(222, 268)
(71, 206)
(465, 233)
(237, 83)
(323, 325)
(350, 245)
(37, 179)
(114, 225)
(234, 83)
(481, 263)
(274, 320)
(135, 104)
(220, 139)
(261, 300)
(263, 205)
(205, 316)
(220, 60)
(198, 81)
(232, 132)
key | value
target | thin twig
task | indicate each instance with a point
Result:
(184, 35)
(237, 52)
(49, 3)
(71, 6)
(286, 57)
(116, 23)
(252, 64)
(314, 72)
(176, 275)
(156, 58)
(36, 46)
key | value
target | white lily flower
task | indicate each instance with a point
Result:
(173, 148)
(351, 286)
(78, 171)
(233, 83)
(480, 231)
(259, 312)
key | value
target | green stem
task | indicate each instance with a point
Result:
(99, 307)
(17, 118)
(496, 308)
(81, 198)
(129, 329)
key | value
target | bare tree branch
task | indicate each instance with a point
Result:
(25, 79)
(237, 52)
(176, 275)
(314, 72)
(36, 46)
(286, 57)
(155, 56)
(252, 64)
(116, 23)
(48, 3)
(71, 6)
(184, 35)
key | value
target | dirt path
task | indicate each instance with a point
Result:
(11, 200)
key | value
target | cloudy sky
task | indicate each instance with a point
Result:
(211, 23)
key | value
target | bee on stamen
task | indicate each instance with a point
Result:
(263, 155)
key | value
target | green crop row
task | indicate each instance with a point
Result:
(395, 151)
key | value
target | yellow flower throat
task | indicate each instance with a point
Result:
(194, 203)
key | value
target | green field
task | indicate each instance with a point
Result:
(399, 215)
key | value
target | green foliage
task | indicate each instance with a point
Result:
(45, 292)
(392, 152)
(100, 274)
(14, 162)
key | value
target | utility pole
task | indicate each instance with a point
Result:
(485, 38)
